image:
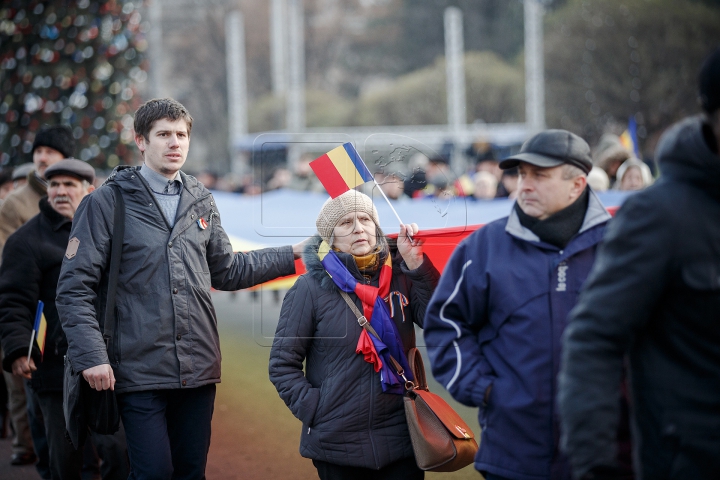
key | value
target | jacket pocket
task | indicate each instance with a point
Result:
(703, 276)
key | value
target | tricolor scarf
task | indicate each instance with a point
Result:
(376, 351)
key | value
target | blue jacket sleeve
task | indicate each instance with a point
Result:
(457, 311)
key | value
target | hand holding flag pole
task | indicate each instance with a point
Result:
(341, 169)
(39, 330)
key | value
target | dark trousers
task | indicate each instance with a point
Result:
(37, 431)
(168, 432)
(65, 461)
(405, 469)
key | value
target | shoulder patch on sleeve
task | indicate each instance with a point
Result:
(72, 247)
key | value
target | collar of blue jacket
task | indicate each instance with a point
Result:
(595, 215)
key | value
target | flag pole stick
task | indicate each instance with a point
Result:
(391, 207)
(32, 339)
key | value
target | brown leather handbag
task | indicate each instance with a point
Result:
(441, 439)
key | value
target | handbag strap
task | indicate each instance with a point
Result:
(417, 366)
(364, 323)
(114, 269)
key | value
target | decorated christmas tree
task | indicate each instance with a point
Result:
(72, 62)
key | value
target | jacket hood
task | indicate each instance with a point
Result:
(684, 155)
(313, 265)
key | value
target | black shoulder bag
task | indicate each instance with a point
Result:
(85, 407)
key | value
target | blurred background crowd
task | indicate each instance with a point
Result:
(617, 72)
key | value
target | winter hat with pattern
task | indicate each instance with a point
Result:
(57, 137)
(336, 208)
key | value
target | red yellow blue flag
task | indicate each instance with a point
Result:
(629, 140)
(39, 328)
(341, 169)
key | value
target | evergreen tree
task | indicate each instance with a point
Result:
(72, 62)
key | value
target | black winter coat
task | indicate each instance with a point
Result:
(31, 262)
(166, 330)
(347, 419)
(654, 294)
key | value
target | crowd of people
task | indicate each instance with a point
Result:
(588, 344)
(615, 167)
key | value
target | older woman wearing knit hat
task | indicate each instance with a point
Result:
(348, 397)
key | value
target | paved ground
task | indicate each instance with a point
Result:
(7, 471)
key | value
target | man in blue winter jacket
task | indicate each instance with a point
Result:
(494, 324)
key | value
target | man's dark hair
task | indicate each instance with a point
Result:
(158, 109)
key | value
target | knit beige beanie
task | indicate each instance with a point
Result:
(336, 208)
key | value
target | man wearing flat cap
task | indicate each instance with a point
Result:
(51, 144)
(494, 323)
(41, 243)
(653, 303)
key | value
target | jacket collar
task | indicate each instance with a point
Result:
(37, 183)
(127, 178)
(56, 220)
(596, 214)
(156, 181)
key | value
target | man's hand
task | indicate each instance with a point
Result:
(100, 377)
(23, 367)
(299, 248)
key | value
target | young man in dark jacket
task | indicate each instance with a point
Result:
(654, 296)
(30, 269)
(494, 323)
(166, 351)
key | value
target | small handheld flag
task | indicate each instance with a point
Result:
(341, 169)
(39, 330)
(629, 140)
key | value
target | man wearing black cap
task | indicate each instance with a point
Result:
(653, 301)
(494, 324)
(52, 144)
(41, 243)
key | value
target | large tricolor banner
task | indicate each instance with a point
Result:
(341, 169)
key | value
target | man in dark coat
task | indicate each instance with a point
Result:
(51, 144)
(32, 258)
(494, 323)
(654, 297)
(165, 355)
